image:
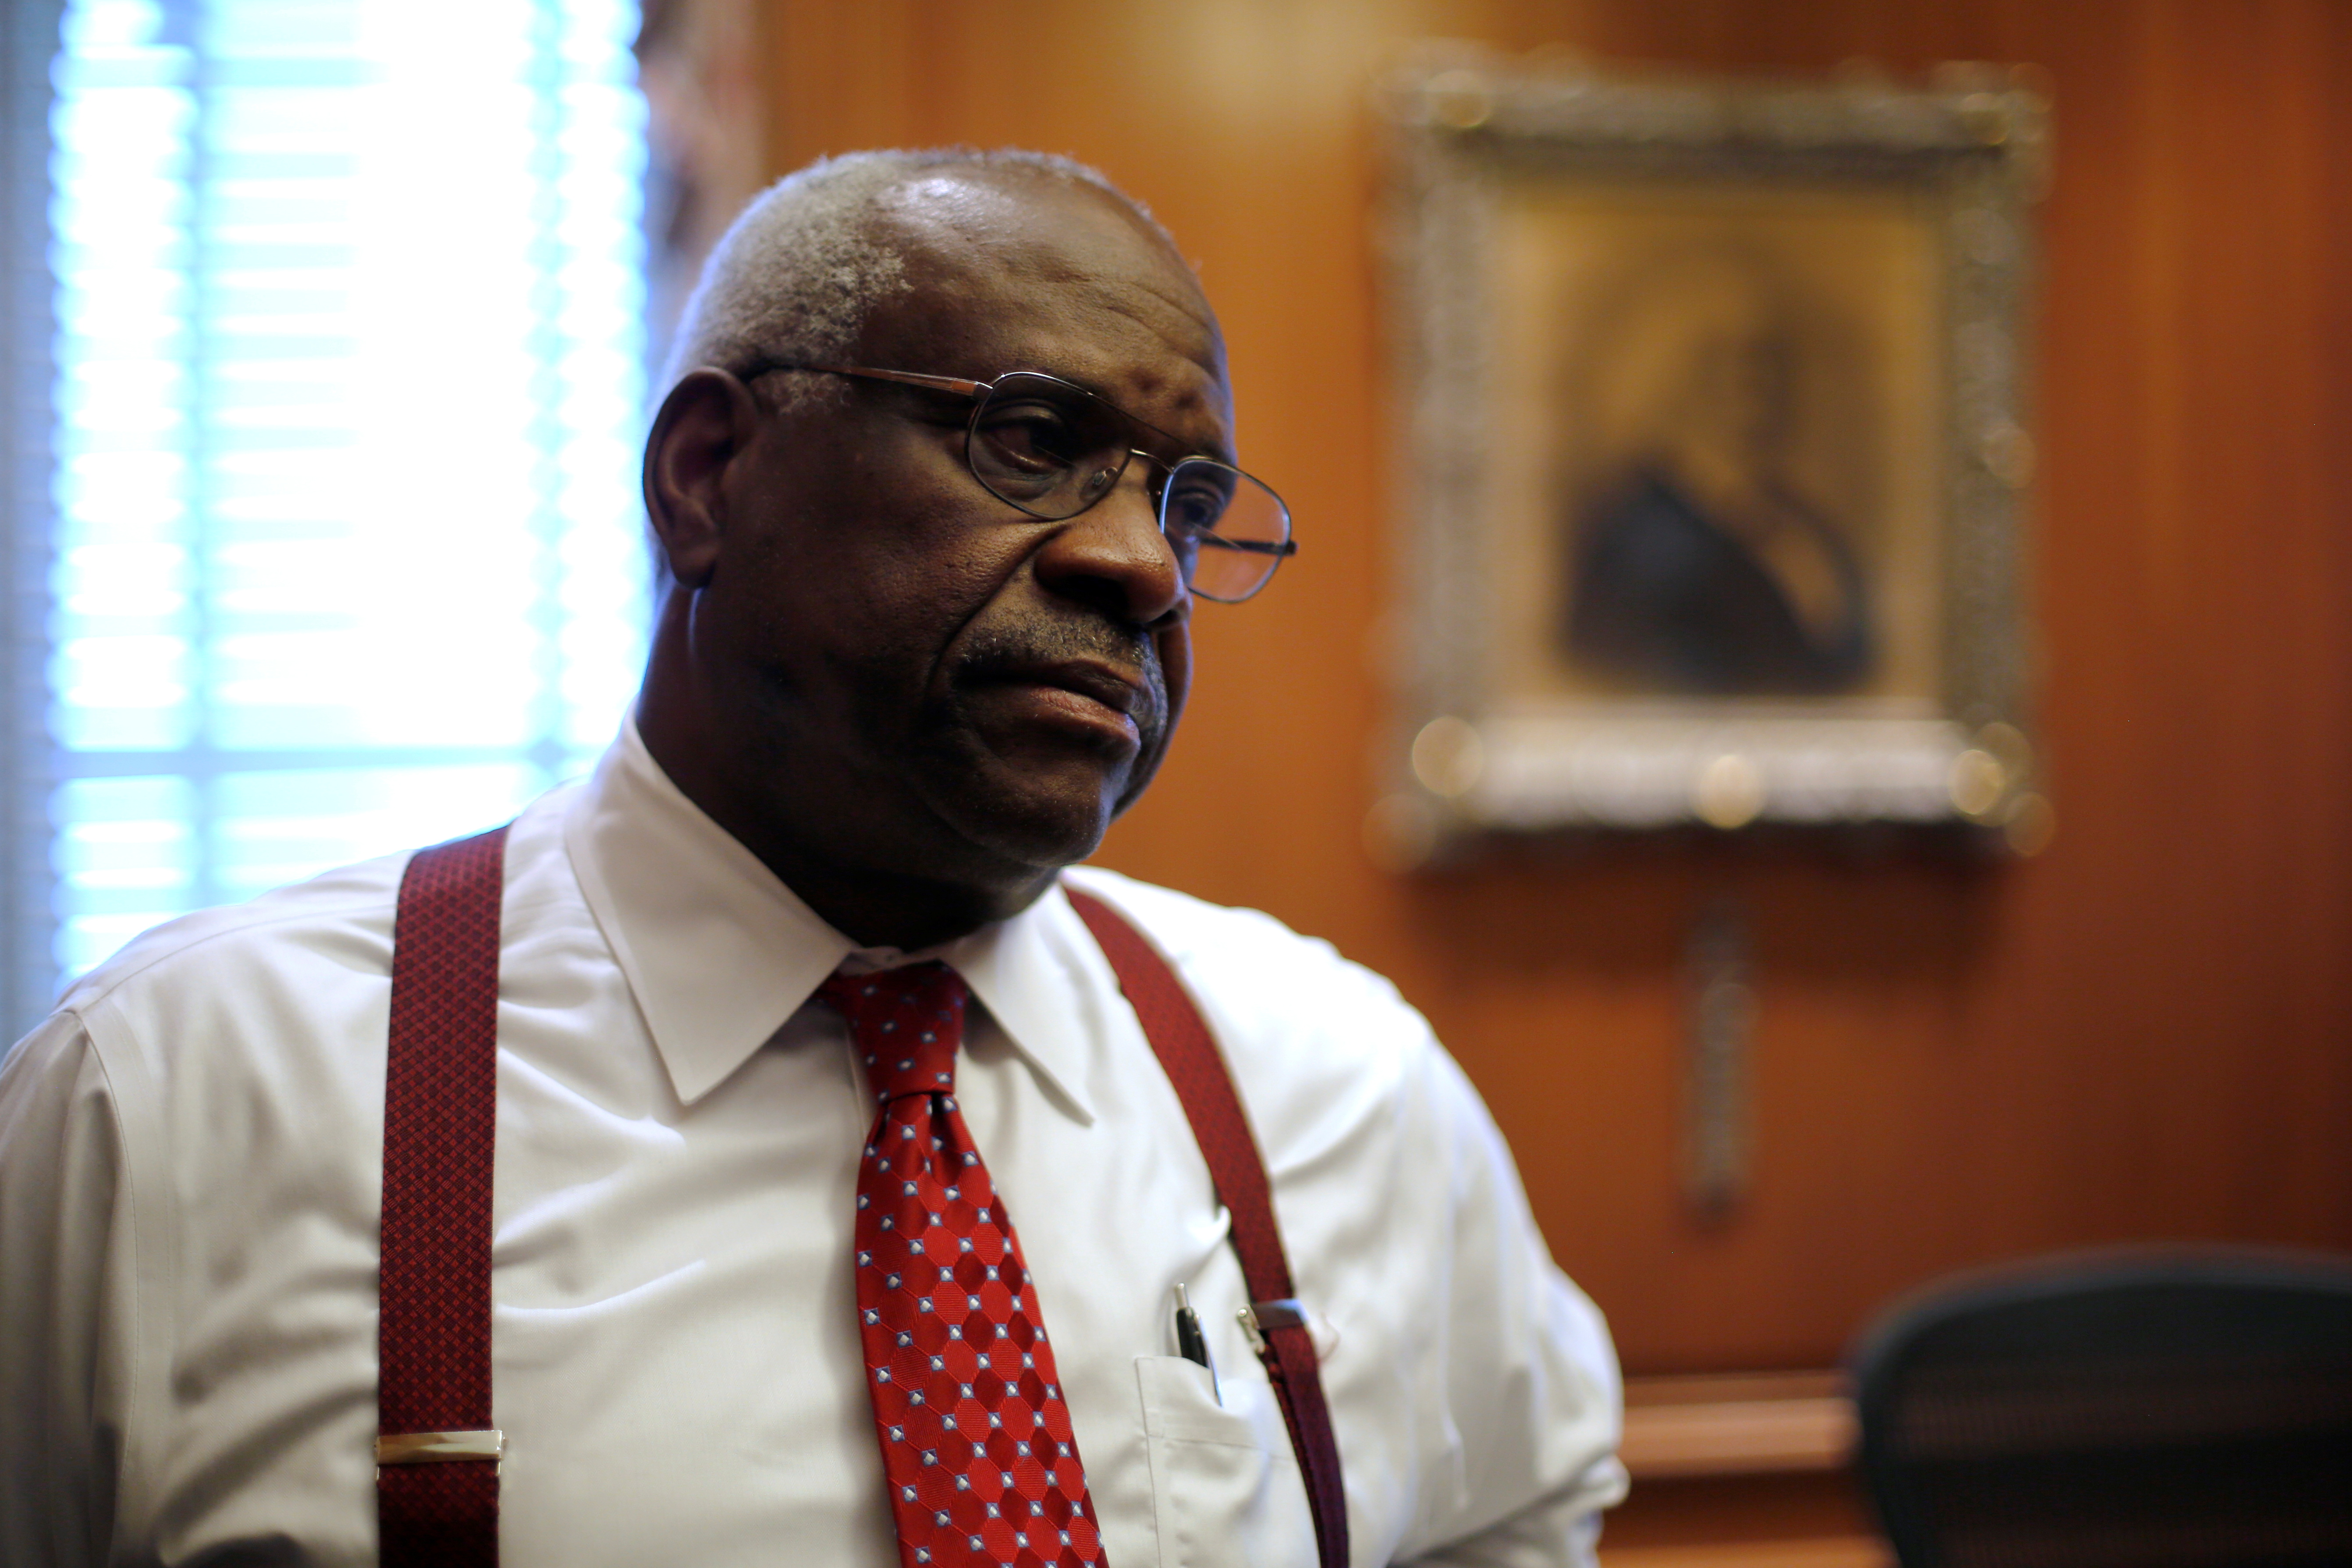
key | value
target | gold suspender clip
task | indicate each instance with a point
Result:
(439, 1447)
(1259, 1316)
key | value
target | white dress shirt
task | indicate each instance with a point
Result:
(190, 1155)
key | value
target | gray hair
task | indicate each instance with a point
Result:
(798, 271)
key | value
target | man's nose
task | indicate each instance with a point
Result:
(1113, 557)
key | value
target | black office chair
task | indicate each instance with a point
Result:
(2173, 1410)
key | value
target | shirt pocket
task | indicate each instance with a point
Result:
(1220, 1496)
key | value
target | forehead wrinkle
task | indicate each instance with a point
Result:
(1155, 311)
(1210, 393)
(974, 263)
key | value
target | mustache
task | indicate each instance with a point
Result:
(1042, 644)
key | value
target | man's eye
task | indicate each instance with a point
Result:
(1034, 437)
(1194, 505)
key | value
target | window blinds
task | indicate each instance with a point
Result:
(349, 340)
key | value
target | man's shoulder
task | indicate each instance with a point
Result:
(1192, 933)
(338, 922)
(342, 917)
(1271, 993)
(259, 1014)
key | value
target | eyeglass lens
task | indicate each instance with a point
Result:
(1054, 449)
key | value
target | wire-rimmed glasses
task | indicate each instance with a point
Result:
(1052, 449)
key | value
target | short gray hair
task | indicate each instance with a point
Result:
(797, 272)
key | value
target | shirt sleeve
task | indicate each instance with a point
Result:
(1531, 1386)
(64, 1233)
(1472, 1388)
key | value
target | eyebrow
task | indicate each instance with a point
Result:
(1221, 449)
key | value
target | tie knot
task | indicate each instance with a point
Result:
(906, 1024)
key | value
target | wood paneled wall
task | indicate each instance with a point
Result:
(2144, 1033)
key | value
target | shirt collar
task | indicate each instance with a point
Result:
(718, 952)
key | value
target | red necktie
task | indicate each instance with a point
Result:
(976, 1442)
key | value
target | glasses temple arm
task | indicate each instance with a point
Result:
(955, 383)
(1284, 550)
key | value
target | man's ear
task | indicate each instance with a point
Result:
(706, 423)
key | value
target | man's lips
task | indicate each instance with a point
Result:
(1093, 695)
(1112, 688)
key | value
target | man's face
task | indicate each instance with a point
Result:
(919, 678)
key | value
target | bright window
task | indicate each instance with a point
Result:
(349, 349)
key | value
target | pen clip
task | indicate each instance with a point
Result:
(1192, 1343)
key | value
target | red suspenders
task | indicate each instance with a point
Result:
(436, 1455)
(436, 1477)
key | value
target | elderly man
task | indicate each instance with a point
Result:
(762, 1278)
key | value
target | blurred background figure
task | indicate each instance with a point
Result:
(1698, 563)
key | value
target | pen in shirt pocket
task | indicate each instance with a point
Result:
(1191, 1345)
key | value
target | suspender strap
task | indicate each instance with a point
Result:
(1181, 1040)
(437, 1456)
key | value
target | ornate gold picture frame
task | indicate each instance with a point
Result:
(1712, 398)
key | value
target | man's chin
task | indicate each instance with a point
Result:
(1032, 817)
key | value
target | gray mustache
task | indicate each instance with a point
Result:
(1037, 643)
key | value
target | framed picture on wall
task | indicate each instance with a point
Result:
(1715, 452)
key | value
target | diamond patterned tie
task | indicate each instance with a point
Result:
(977, 1449)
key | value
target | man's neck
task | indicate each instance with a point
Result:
(885, 909)
(873, 907)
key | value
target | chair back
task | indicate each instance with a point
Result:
(2155, 1411)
